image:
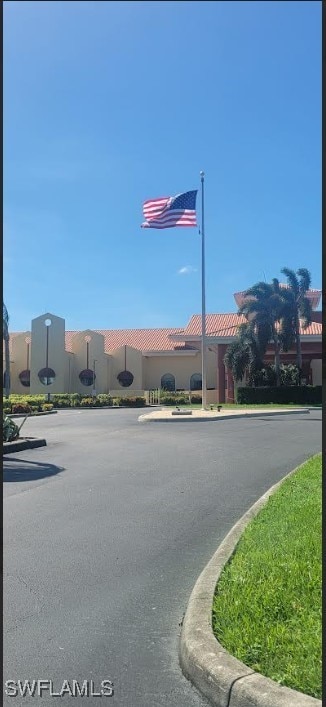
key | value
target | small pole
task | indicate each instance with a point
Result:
(203, 298)
(94, 388)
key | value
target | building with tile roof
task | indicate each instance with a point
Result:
(49, 359)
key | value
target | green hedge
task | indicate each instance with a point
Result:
(196, 399)
(180, 398)
(174, 398)
(34, 403)
(133, 402)
(305, 394)
(64, 400)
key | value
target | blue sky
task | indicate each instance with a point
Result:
(107, 104)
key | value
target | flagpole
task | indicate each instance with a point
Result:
(203, 298)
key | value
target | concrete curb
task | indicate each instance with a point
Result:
(53, 412)
(20, 444)
(219, 416)
(33, 414)
(223, 679)
(80, 408)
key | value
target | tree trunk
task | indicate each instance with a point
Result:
(298, 347)
(277, 359)
(7, 371)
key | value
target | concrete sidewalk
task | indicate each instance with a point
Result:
(165, 415)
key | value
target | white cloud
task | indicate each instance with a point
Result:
(186, 270)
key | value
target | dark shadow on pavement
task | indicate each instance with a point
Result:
(15, 469)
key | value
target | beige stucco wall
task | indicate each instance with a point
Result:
(79, 362)
(57, 354)
(69, 362)
(147, 370)
(130, 359)
(181, 367)
(18, 361)
(316, 367)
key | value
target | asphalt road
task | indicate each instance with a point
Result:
(106, 531)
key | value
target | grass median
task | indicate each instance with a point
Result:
(267, 605)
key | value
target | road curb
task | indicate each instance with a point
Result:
(20, 445)
(224, 680)
(33, 414)
(53, 412)
(192, 418)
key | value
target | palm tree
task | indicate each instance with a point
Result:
(7, 353)
(265, 308)
(299, 307)
(244, 353)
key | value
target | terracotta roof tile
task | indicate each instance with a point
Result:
(158, 339)
(313, 295)
(226, 325)
(141, 339)
(216, 324)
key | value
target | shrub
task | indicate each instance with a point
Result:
(10, 430)
(196, 399)
(182, 400)
(104, 399)
(168, 399)
(267, 377)
(59, 403)
(61, 400)
(177, 397)
(132, 402)
(289, 374)
(264, 377)
(87, 403)
(140, 402)
(27, 399)
(299, 395)
(174, 399)
(21, 408)
(47, 407)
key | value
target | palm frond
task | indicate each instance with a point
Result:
(252, 306)
(276, 285)
(259, 289)
(304, 281)
(236, 358)
(292, 280)
(243, 330)
(305, 312)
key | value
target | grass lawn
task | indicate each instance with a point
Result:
(267, 605)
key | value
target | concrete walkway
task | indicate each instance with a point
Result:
(166, 415)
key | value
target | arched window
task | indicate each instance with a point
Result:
(87, 377)
(195, 381)
(168, 382)
(125, 379)
(25, 378)
(46, 376)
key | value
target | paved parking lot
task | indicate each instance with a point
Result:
(106, 531)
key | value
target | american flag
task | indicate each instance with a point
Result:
(170, 211)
